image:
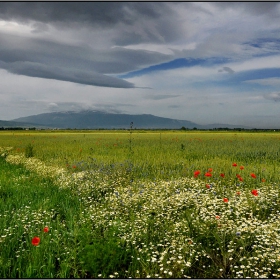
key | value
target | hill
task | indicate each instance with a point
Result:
(99, 119)
(103, 120)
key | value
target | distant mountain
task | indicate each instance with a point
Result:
(6, 124)
(99, 119)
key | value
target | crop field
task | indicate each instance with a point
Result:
(139, 204)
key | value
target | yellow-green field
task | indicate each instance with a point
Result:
(154, 154)
(140, 204)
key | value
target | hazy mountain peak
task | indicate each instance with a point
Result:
(97, 119)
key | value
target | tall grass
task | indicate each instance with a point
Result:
(28, 203)
(111, 214)
(155, 154)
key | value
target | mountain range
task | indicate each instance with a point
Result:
(89, 119)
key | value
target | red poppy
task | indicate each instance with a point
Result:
(234, 164)
(225, 200)
(218, 217)
(238, 176)
(74, 166)
(222, 175)
(240, 179)
(208, 174)
(253, 175)
(254, 192)
(35, 241)
(196, 173)
(238, 193)
(210, 169)
(241, 167)
(263, 180)
(46, 229)
(208, 186)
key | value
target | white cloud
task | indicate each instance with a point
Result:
(266, 82)
(272, 61)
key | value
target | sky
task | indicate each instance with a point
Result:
(205, 62)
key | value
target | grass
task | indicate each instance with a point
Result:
(117, 208)
(28, 204)
(154, 154)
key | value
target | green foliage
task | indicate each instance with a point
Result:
(29, 151)
(106, 256)
(28, 203)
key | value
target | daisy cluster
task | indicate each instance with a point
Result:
(27, 223)
(177, 226)
(36, 165)
(4, 151)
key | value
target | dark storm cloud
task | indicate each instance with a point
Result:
(38, 70)
(136, 16)
(253, 8)
(47, 58)
(63, 12)
(107, 61)
(93, 13)
(227, 69)
(261, 8)
(52, 60)
(167, 28)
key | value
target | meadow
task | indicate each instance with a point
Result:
(139, 204)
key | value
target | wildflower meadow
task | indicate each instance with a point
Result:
(139, 204)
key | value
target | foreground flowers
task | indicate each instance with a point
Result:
(46, 229)
(253, 175)
(239, 177)
(254, 192)
(35, 241)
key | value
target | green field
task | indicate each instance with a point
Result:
(122, 204)
(154, 154)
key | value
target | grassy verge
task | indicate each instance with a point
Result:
(28, 204)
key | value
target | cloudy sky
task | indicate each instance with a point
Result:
(203, 62)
